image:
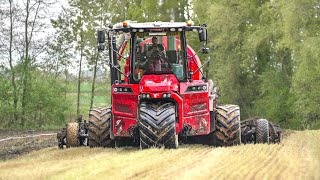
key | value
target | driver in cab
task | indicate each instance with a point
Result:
(155, 47)
(155, 55)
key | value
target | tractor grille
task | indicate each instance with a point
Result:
(123, 108)
(198, 107)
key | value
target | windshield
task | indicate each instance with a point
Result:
(158, 53)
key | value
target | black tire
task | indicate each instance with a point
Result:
(228, 130)
(157, 125)
(72, 135)
(99, 128)
(262, 131)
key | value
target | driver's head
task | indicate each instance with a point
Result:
(154, 40)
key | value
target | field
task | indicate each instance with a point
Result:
(296, 157)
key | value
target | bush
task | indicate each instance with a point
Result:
(46, 102)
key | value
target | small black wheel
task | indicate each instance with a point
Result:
(72, 135)
(262, 131)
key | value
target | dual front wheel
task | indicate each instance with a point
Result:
(157, 125)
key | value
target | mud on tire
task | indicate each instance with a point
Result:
(99, 127)
(157, 125)
(262, 131)
(72, 135)
(228, 130)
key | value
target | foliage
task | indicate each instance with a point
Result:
(266, 57)
(46, 105)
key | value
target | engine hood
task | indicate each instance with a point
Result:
(158, 83)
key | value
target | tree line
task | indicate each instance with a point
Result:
(265, 54)
(266, 57)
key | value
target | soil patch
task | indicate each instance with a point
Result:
(13, 148)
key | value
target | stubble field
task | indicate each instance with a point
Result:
(296, 157)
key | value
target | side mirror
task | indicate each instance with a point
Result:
(202, 34)
(101, 36)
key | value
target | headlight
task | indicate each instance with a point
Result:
(123, 90)
(197, 88)
(166, 95)
(144, 96)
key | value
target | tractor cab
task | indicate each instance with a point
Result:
(154, 48)
(158, 53)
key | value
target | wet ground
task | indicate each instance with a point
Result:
(14, 143)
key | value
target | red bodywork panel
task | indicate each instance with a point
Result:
(159, 83)
(192, 107)
(193, 64)
(196, 107)
(124, 109)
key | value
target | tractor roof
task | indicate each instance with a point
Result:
(126, 25)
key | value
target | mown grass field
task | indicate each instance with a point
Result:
(296, 157)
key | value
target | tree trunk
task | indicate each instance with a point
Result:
(94, 79)
(25, 66)
(80, 66)
(12, 70)
(26, 58)
(67, 83)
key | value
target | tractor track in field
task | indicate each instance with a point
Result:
(27, 136)
(14, 143)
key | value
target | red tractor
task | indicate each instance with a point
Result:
(160, 94)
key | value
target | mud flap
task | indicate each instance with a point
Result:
(212, 121)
